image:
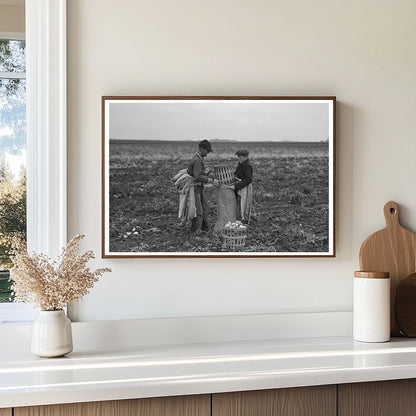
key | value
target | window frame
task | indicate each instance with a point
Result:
(46, 125)
(46, 138)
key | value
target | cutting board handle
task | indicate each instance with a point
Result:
(391, 214)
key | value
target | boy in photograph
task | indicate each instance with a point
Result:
(201, 176)
(243, 187)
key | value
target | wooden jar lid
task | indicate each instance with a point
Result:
(372, 275)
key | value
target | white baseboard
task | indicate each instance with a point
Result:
(127, 334)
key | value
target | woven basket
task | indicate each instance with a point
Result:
(224, 175)
(234, 239)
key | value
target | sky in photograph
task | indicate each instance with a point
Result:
(219, 120)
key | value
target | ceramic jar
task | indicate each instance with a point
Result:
(371, 307)
(52, 334)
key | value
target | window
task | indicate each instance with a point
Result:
(12, 154)
(12, 165)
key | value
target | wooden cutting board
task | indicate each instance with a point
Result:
(393, 250)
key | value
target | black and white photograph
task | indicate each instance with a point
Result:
(218, 176)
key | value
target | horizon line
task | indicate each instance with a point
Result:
(222, 140)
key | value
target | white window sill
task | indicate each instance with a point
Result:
(16, 313)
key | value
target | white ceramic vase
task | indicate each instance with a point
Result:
(52, 334)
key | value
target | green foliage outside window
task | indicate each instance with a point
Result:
(12, 146)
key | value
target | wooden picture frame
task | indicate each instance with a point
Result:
(290, 142)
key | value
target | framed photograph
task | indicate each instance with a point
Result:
(218, 176)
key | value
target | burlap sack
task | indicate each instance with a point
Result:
(227, 207)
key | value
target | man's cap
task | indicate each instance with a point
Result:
(242, 152)
(205, 144)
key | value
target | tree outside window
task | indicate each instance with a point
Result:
(12, 156)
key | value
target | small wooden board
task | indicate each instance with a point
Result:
(392, 250)
(405, 306)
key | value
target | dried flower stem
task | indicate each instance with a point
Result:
(53, 285)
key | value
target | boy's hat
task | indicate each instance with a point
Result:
(242, 152)
(205, 144)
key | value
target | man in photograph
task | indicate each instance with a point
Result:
(201, 176)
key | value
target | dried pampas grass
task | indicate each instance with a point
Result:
(53, 285)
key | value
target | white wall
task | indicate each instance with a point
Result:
(361, 51)
(12, 18)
